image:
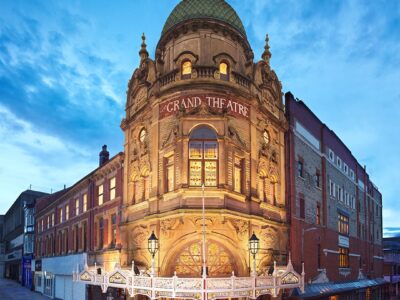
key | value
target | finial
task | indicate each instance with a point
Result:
(143, 51)
(266, 54)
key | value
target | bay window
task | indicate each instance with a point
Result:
(203, 157)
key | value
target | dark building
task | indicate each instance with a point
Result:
(391, 269)
(335, 210)
(16, 236)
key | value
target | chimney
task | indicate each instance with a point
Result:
(104, 155)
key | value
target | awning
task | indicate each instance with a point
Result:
(326, 289)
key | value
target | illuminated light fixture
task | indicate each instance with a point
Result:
(254, 246)
(152, 244)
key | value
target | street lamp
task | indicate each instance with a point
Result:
(254, 245)
(152, 246)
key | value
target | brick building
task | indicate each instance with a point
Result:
(16, 237)
(79, 225)
(391, 270)
(335, 209)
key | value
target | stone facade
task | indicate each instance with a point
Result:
(242, 106)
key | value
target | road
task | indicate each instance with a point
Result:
(11, 290)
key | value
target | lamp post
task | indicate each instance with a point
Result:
(152, 246)
(254, 245)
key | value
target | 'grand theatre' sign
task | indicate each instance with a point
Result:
(213, 102)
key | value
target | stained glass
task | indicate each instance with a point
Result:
(195, 150)
(195, 173)
(189, 261)
(238, 179)
(210, 173)
(210, 150)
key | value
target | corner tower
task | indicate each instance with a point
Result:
(203, 112)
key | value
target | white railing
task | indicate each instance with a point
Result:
(203, 288)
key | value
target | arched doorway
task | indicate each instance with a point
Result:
(187, 262)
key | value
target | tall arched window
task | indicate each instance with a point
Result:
(186, 69)
(224, 71)
(203, 157)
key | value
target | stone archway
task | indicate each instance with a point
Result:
(187, 260)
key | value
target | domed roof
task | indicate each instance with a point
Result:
(204, 9)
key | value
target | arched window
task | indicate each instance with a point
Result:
(203, 157)
(224, 71)
(186, 69)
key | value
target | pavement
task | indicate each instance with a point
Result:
(12, 290)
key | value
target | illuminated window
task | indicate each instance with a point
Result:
(48, 221)
(61, 215)
(343, 224)
(186, 69)
(52, 219)
(67, 212)
(343, 257)
(238, 175)
(112, 188)
(76, 207)
(169, 173)
(203, 157)
(100, 191)
(224, 71)
(84, 202)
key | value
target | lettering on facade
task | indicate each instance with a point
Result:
(214, 102)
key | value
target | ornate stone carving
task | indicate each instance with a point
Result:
(269, 236)
(241, 227)
(139, 234)
(167, 225)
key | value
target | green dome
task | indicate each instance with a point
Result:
(204, 9)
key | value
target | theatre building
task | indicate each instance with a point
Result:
(335, 211)
(204, 177)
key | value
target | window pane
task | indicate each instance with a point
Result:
(195, 150)
(210, 150)
(223, 68)
(195, 173)
(210, 173)
(186, 68)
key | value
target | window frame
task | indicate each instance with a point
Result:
(183, 74)
(113, 188)
(100, 194)
(344, 261)
(203, 161)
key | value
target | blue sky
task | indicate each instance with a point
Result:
(64, 68)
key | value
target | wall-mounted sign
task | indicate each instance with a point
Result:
(343, 241)
(213, 102)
